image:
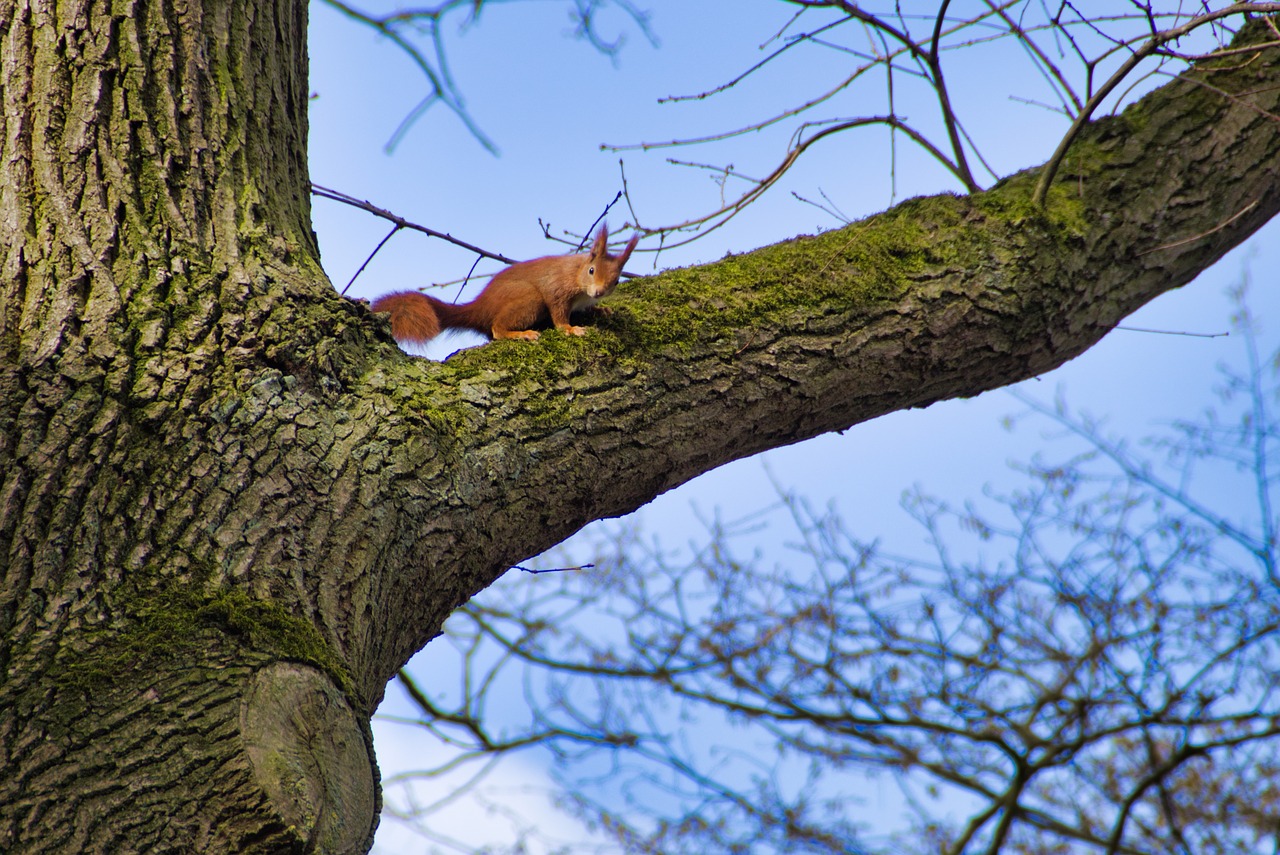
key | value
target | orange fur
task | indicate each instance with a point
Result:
(516, 300)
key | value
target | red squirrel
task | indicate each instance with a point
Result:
(517, 299)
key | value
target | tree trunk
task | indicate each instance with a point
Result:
(162, 310)
(230, 509)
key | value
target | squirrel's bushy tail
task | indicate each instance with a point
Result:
(414, 316)
(418, 318)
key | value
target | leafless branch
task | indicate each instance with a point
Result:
(1100, 685)
(419, 33)
(1068, 49)
(1155, 43)
(402, 223)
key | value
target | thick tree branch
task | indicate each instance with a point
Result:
(937, 298)
(232, 509)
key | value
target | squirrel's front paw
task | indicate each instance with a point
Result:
(526, 335)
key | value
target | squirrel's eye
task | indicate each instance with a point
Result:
(591, 271)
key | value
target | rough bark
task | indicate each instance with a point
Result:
(155, 244)
(230, 509)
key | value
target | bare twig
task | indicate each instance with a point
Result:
(406, 27)
(402, 223)
(1237, 215)
(439, 79)
(911, 48)
(1153, 44)
(380, 245)
(553, 569)
(586, 236)
(1174, 332)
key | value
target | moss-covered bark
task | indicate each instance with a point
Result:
(230, 508)
(161, 303)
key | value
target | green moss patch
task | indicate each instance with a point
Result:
(173, 624)
(842, 274)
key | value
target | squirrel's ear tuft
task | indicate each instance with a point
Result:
(601, 246)
(626, 252)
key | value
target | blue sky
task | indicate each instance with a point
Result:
(549, 101)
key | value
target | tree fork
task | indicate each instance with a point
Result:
(230, 510)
